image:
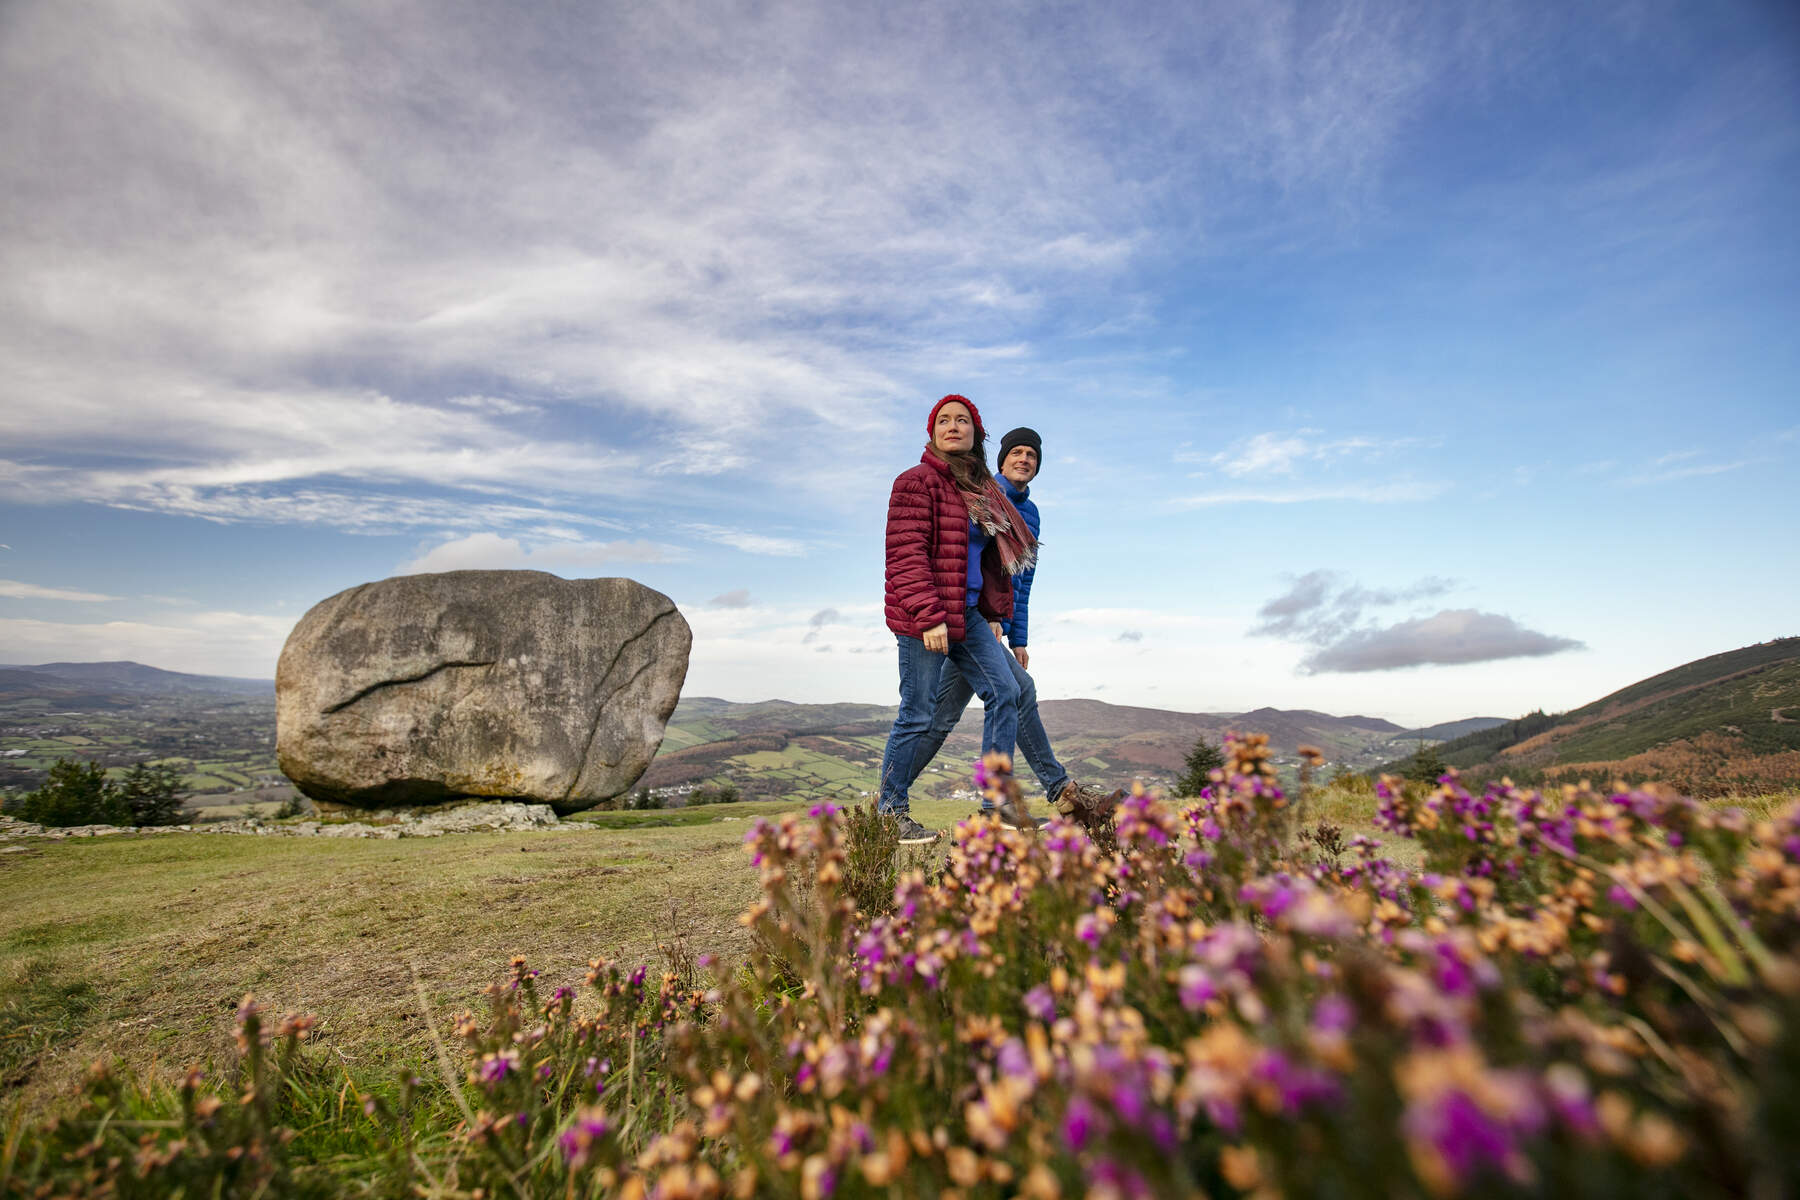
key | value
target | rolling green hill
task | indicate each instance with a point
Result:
(1720, 723)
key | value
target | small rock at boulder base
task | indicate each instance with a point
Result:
(516, 684)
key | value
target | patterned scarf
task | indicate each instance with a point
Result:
(994, 513)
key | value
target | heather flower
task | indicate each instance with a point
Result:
(1196, 987)
(495, 1067)
(579, 1139)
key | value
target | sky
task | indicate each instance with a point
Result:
(1413, 360)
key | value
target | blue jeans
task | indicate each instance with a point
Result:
(1034, 743)
(978, 658)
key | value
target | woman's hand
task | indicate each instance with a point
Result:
(1024, 656)
(998, 636)
(937, 638)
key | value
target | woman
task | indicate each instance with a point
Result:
(954, 542)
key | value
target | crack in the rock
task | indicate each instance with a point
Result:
(587, 748)
(376, 687)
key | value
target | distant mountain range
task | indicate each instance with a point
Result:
(1729, 721)
(776, 746)
(1726, 722)
(78, 686)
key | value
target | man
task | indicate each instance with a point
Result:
(1021, 454)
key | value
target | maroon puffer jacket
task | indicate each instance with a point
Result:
(928, 556)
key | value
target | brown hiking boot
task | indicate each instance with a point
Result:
(1089, 806)
(1014, 816)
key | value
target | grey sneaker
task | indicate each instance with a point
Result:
(1012, 817)
(914, 834)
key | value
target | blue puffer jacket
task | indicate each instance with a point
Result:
(1015, 629)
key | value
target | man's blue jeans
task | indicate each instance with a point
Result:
(1034, 743)
(982, 662)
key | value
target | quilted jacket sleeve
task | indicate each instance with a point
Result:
(1016, 629)
(910, 522)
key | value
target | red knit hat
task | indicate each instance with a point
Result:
(974, 414)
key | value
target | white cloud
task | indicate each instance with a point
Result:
(1451, 637)
(14, 590)
(735, 598)
(540, 256)
(491, 552)
(749, 542)
(1281, 453)
(1376, 492)
(1666, 470)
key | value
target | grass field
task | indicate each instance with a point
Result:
(141, 947)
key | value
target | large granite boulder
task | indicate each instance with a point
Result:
(517, 684)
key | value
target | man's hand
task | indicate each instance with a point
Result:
(937, 638)
(1023, 655)
(995, 626)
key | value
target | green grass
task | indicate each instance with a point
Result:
(1742, 703)
(41, 1006)
(169, 932)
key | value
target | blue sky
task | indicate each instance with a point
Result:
(1415, 360)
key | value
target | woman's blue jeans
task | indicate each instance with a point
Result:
(1034, 742)
(982, 662)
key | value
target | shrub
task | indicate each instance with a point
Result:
(76, 793)
(153, 794)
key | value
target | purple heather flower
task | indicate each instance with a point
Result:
(1082, 1122)
(1196, 987)
(824, 808)
(495, 1067)
(1012, 1060)
(1333, 1014)
(1457, 1128)
(576, 1139)
(1128, 1102)
(1040, 1003)
(1297, 1085)
(1118, 1179)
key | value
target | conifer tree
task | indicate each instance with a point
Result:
(1201, 761)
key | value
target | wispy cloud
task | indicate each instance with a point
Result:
(1333, 615)
(1374, 492)
(504, 266)
(1322, 606)
(735, 598)
(1682, 465)
(1282, 453)
(749, 542)
(14, 590)
(491, 552)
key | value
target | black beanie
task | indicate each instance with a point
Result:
(1021, 437)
